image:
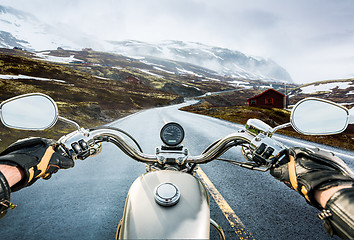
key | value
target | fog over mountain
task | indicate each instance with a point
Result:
(23, 30)
(312, 40)
(221, 60)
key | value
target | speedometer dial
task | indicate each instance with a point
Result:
(172, 134)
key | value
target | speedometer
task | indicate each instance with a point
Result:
(172, 134)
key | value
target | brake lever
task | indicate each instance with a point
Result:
(261, 153)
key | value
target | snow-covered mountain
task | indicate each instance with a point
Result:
(21, 29)
(224, 61)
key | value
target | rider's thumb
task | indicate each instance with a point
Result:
(66, 163)
(280, 172)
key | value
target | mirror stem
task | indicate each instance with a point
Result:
(285, 125)
(70, 122)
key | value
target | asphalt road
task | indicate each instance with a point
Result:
(87, 202)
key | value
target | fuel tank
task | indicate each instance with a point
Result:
(145, 217)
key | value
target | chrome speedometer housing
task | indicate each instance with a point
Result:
(172, 134)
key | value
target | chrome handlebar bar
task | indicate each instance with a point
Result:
(103, 134)
(217, 148)
(109, 135)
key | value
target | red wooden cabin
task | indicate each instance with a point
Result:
(270, 99)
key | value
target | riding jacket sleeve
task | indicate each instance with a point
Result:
(338, 214)
(5, 203)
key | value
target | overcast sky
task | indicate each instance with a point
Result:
(312, 39)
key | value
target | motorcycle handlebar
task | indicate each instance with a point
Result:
(219, 147)
(107, 134)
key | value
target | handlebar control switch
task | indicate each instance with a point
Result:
(265, 148)
(268, 152)
(261, 149)
(83, 145)
(258, 160)
(76, 147)
(81, 149)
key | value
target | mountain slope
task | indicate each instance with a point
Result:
(21, 74)
(340, 91)
(223, 61)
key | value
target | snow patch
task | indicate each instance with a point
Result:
(325, 87)
(163, 70)
(152, 74)
(15, 77)
(137, 57)
(119, 68)
(240, 84)
(102, 78)
(46, 57)
(212, 54)
(213, 79)
(184, 71)
(191, 86)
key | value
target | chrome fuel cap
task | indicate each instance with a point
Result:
(167, 194)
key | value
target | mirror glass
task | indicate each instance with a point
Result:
(29, 112)
(318, 117)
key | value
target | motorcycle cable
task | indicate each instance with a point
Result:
(207, 149)
(122, 131)
(234, 143)
(250, 166)
(211, 145)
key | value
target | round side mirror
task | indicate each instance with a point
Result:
(313, 116)
(33, 111)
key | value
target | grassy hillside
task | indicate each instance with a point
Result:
(232, 98)
(118, 67)
(82, 97)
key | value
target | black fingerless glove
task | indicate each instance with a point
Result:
(306, 170)
(37, 157)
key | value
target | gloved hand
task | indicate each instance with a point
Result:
(37, 157)
(307, 170)
(311, 170)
